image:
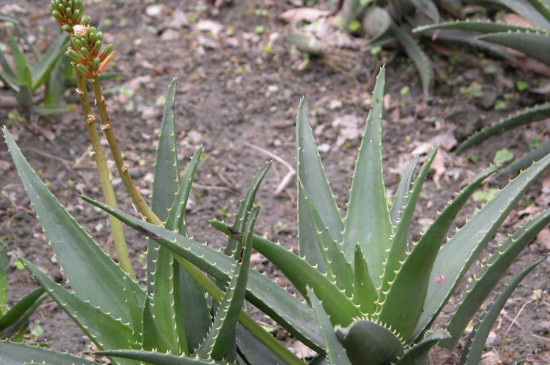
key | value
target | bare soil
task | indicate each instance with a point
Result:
(239, 87)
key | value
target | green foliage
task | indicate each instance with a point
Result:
(399, 288)
(15, 321)
(23, 79)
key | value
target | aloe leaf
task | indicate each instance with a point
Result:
(165, 188)
(269, 297)
(18, 327)
(55, 85)
(338, 269)
(92, 273)
(153, 338)
(189, 297)
(420, 59)
(419, 353)
(22, 70)
(526, 10)
(402, 193)
(12, 353)
(523, 117)
(542, 6)
(370, 343)
(41, 71)
(364, 292)
(405, 300)
(368, 218)
(526, 160)
(490, 274)
(253, 350)
(3, 280)
(9, 81)
(9, 18)
(301, 274)
(400, 238)
(156, 358)
(474, 347)
(47, 110)
(223, 329)
(335, 351)
(165, 183)
(12, 315)
(536, 45)
(102, 329)
(135, 306)
(233, 247)
(462, 249)
(307, 44)
(312, 175)
(474, 26)
(428, 8)
(376, 23)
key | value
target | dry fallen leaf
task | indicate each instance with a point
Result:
(298, 15)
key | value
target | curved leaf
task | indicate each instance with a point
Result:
(269, 297)
(403, 190)
(156, 358)
(405, 300)
(473, 26)
(152, 336)
(43, 68)
(418, 354)
(364, 292)
(526, 160)
(462, 249)
(526, 10)
(92, 273)
(11, 316)
(12, 353)
(368, 218)
(312, 175)
(536, 45)
(474, 347)
(490, 274)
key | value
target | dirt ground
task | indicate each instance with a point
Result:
(239, 87)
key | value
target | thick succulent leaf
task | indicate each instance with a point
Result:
(103, 330)
(22, 70)
(473, 26)
(8, 71)
(160, 263)
(335, 351)
(525, 9)
(338, 268)
(3, 280)
(253, 350)
(135, 306)
(543, 6)
(152, 337)
(368, 218)
(462, 249)
(55, 85)
(222, 333)
(233, 247)
(364, 292)
(301, 274)
(11, 316)
(405, 300)
(536, 45)
(156, 358)
(312, 175)
(400, 238)
(165, 187)
(12, 353)
(419, 353)
(350, 10)
(9, 18)
(420, 59)
(526, 160)
(403, 190)
(92, 273)
(269, 297)
(474, 347)
(41, 71)
(490, 275)
(523, 117)
(176, 215)
(19, 326)
(370, 343)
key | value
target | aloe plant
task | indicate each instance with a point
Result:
(534, 42)
(24, 79)
(14, 321)
(375, 294)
